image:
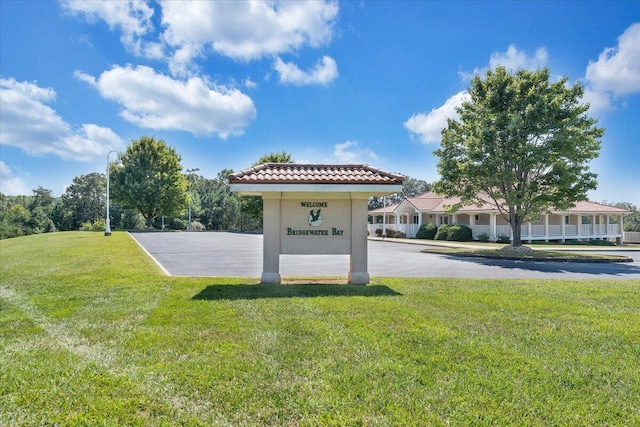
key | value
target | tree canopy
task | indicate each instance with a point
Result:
(151, 180)
(522, 143)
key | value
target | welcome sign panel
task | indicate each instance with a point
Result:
(315, 226)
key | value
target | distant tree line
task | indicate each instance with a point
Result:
(149, 189)
(83, 207)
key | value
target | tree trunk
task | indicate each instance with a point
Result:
(516, 229)
(150, 221)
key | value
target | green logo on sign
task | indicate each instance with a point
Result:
(314, 218)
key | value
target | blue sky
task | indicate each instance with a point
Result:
(328, 82)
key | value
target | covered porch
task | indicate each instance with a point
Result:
(491, 225)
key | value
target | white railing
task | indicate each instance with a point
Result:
(481, 229)
(409, 229)
(503, 230)
(555, 230)
(630, 236)
(537, 230)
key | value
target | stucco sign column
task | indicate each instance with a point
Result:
(314, 209)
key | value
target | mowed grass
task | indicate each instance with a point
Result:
(91, 333)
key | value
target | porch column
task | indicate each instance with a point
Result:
(493, 225)
(563, 223)
(620, 240)
(454, 219)
(546, 227)
(271, 239)
(606, 221)
(579, 225)
(593, 225)
(358, 273)
(472, 223)
(529, 230)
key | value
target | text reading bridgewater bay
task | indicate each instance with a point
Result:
(294, 232)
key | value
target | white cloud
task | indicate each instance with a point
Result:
(28, 123)
(598, 101)
(617, 69)
(348, 152)
(324, 72)
(242, 30)
(131, 17)
(246, 30)
(428, 126)
(512, 59)
(156, 101)
(10, 184)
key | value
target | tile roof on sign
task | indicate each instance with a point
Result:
(295, 173)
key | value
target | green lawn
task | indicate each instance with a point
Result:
(91, 333)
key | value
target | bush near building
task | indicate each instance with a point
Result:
(454, 233)
(427, 231)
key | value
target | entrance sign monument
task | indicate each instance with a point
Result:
(311, 209)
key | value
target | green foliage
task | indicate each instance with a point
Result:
(97, 225)
(91, 333)
(631, 221)
(483, 237)
(390, 232)
(411, 187)
(454, 233)
(427, 231)
(503, 239)
(522, 143)
(151, 180)
(85, 199)
(598, 242)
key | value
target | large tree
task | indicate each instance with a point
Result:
(151, 179)
(522, 143)
(85, 199)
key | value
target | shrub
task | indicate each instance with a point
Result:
(442, 233)
(503, 239)
(427, 231)
(483, 237)
(595, 242)
(97, 225)
(379, 232)
(197, 226)
(400, 234)
(459, 233)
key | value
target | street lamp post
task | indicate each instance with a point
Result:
(107, 231)
(190, 171)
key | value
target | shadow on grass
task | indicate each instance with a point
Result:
(240, 292)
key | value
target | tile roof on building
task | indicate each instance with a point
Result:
(296, 173)
(432, 202)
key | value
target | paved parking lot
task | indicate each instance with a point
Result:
(221, 254)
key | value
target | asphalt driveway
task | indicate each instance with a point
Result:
(221, 254)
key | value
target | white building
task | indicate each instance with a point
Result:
(585, 221)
